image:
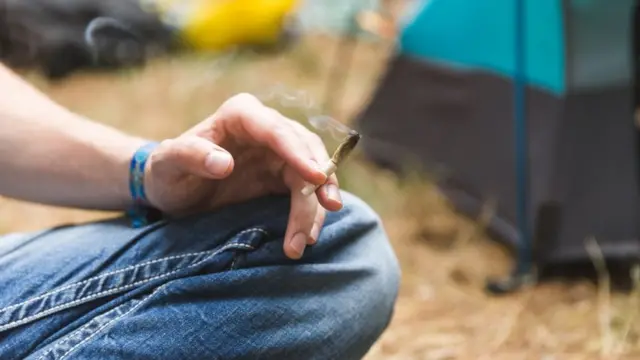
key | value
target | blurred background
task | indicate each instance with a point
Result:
(156, 67)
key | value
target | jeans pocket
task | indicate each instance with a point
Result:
(131, 281)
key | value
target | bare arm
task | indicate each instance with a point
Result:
(50, 155)
(244, 150)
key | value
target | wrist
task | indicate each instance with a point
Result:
(141, 210)
(125, 152)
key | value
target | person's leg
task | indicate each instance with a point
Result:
(215, 286)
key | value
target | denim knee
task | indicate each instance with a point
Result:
(219, 286)
(334, 303)
(363, 246)
(363, 243)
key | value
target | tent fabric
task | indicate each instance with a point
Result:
(453, 112)
(479, 35)
(569, 44)
(599, 37)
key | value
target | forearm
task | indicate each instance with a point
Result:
(50, 155)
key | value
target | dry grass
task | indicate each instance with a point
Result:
(442, 312)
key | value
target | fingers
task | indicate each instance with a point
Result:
(305, 218)
(308, 212)
(318, 222)
(267, 127)
(246, 119)
(329, 193)
(195, 156)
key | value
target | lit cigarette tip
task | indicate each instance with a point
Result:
(346, 147)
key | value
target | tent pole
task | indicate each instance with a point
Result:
(522, 146)
(635, 64)
(523, 268)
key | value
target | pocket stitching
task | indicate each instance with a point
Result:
(68, 337)
(114, 290)
(120, 288)
(114, 272)
(75, 347)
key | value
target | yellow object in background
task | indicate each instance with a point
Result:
(219, 24)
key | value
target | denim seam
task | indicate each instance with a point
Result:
(114, 290)
(66, 287)
(78, 330)
(144, 301)
(117, 289)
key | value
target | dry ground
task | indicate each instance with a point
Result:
(442, 312)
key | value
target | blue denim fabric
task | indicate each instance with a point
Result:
(213, 286)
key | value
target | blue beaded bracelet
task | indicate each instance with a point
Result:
(140, 212)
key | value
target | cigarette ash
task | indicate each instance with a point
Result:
(346, 147)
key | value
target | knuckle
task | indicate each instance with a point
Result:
(163, 151)
(181, 147)
(317, 144)
(310, 136)
(279, 132)
(298, 126)
(177, 152)
(166, 146)
(275, 114)
(242, 99)
(190, 142)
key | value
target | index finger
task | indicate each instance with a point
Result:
(268, 127)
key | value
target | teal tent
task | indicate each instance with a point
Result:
(527, 103)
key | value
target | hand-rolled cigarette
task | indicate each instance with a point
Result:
(331, 166)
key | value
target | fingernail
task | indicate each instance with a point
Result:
(308, 189)
(218, 162)
(321, 170)
(315, 232)
(298, 243)
(333, 193)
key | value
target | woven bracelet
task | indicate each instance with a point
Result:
(140, 213)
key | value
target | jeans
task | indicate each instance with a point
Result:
(211, 286)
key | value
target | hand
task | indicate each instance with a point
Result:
(243, 151)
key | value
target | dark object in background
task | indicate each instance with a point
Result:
(50, 35)
(447, 99)
(113, 43)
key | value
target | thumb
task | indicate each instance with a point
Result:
(195, 156)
